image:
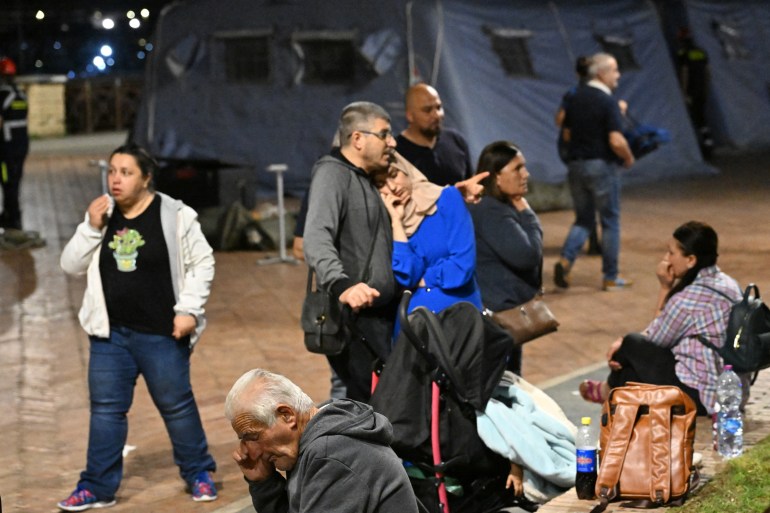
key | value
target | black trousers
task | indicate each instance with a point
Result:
(645, 362)
(371, 334)
(11, 169)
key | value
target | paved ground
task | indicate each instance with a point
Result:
(254, 316)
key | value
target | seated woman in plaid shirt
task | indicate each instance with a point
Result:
(668, 351)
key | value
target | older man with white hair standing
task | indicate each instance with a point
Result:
(596, 144)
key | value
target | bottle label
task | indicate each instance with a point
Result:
(586, 460)
(731, 426)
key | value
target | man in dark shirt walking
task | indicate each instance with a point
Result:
(596, 144)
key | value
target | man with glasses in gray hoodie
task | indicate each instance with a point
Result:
(346, 217)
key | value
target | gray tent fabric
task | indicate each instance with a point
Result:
(194, 108)
(270, 100)
(486, 104)
(736, 37)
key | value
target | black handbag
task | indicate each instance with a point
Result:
(324, 319)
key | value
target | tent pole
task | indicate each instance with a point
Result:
(279, 170)
(103, 167)
(562, 31)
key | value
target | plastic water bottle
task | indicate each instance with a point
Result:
(728, 410)
(585, 477)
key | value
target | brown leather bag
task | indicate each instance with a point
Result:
(647, 436)
(527, 321)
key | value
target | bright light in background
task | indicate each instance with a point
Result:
(70, 38)
(99, 63)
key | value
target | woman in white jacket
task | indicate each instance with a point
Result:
(149, 271)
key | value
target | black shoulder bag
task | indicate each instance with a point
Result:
(324, 319)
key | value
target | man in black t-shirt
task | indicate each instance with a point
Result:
(440, 153)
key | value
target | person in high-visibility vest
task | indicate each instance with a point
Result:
(14, 143)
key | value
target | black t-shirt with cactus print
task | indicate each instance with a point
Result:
(136, 273)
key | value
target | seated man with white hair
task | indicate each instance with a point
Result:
(336, 456)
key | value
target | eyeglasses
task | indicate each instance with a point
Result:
(383, 135)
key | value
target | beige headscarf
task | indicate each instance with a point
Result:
(424, 195)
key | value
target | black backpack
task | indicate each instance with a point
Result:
(747, 341)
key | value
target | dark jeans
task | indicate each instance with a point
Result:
(115, 364)
(595, 186)
(645, 362)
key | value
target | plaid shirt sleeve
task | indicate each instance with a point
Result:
(696, 312)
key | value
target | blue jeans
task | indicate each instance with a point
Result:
(115, 364)
(595, 185)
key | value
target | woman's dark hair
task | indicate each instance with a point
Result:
(700, 240)
(494, 157)
(147, 165)
(581, 66)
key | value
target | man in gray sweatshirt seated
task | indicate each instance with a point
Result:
(336, 456)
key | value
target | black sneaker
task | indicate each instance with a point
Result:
(560, 276)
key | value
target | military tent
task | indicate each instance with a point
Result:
(256, 82)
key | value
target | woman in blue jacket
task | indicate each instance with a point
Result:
(434, 249)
